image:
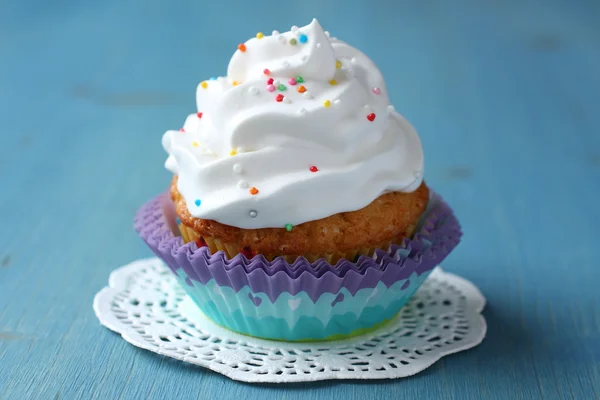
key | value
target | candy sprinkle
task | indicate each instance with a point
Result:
(376, 90)
(204, 85)
(289, 227)
(235, 83)
(197, 202)
(237, 168)
(299, 79)
(253, 191)
(313, 168)
(281, 87)
(371, 117)
(333, 82)
(293, 41)
(287, 100)
(243, 185)
(232, 153)
(338, 64)
(199, 115)
(253, 213)
(271, 88)
(182, 130)
(303, 38)
(292, 81)
(242, 47)
(301, 89)
(260, 35)
(279, 97)
(266, 71)
(327, 104)
(270, 81)
(195, 144)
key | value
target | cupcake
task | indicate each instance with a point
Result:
(297, 209)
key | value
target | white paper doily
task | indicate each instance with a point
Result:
(144, 303)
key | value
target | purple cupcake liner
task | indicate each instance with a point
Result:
(438, 233)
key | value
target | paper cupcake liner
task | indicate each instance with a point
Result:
(300, 300)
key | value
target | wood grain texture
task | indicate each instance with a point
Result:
(505, 95)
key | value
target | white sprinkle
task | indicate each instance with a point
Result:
(294, 29)
(237, 168)
(354, 60)
(337, 102)
(281, 38)
(366, 106)
(276, 82)
(254, 91)
(287, 100)
(275, 33)
(243, 185)
(318, 45)
(253, 213)
(391, 108)
(308, 95)
(302, 111)
(327, 33)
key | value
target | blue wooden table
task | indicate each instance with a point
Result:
(505, 95)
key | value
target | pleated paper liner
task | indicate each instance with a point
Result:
(299, 300)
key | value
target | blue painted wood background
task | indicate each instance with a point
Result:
(505, 95)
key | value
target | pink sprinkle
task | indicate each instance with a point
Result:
(270, 81)
(271, 88)
(376, 90)
(292, 81)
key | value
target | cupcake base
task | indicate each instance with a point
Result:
(301, 300)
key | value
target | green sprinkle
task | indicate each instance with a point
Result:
(293, 42)
(288, 227)
(299, 79)
(281, 87)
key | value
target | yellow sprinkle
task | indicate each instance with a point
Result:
(338, 64)
(204, 85)
(333, 82)
(195, 144)
(232, 153)
(326, 104)
(235, 83)
(260, 35)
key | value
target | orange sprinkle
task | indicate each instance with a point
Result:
(242, 47)
(253, 190)
(301, 89)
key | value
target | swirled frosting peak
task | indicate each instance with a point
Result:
(300, 129)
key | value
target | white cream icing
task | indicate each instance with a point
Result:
(275, 143)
